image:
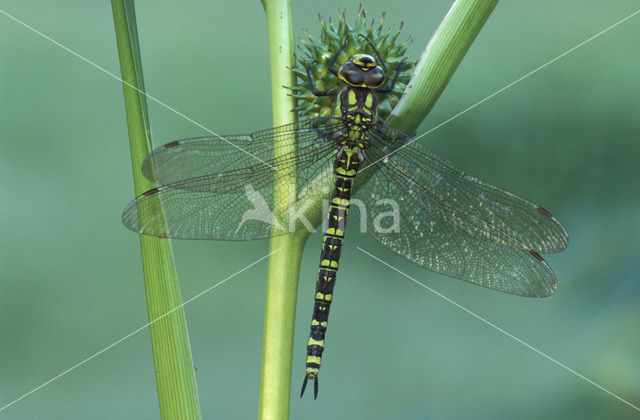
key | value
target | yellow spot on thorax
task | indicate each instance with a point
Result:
(352, 98)
(368, 101)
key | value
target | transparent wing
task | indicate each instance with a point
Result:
(200, 156)
(232, 197)
(456, 224)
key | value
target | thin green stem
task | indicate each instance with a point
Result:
(439, 61)
(284, 265)
(175, 377)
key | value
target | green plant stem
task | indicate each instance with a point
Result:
(175, 377)
(440, 59)
(284, 265)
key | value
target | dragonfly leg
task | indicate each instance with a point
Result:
(319, 92)
(393, 83)
(384, 67)
(335, 57)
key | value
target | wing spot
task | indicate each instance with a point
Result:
(172, 144)
(150, 192)
(544, 211)
(536, 255)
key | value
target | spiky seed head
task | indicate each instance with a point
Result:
(316, 54)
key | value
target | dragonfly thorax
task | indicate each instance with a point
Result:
(357, 107)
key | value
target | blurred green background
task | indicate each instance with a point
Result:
(71, 282)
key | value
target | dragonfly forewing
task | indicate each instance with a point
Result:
(201, 156)
(231, 201)
(467, 202)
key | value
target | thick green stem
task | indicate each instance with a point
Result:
(175, 377)
(439, 61)
(284, 265)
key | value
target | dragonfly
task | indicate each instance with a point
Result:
(448, 221)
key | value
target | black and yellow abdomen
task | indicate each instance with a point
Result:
(347, 163)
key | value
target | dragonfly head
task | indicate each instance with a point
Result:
(361, 70)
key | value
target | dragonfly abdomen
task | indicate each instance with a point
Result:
(347, 162)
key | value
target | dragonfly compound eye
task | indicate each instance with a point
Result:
(355, 75)
(374, 78)
(351, 74)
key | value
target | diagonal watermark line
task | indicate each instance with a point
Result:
(501, 330)
(86, 60)
(506, 87)
(135, 332)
